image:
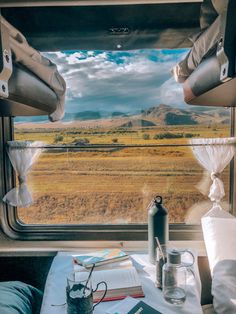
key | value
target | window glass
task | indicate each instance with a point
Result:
(122, 141)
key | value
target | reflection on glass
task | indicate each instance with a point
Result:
(115, 152)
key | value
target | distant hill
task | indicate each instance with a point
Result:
(159, 115)
(137, 123)
(178, 119)
(118, 114)
(83, 115)
(167, 115)
(92, 115)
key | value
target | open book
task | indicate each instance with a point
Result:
(121, 278)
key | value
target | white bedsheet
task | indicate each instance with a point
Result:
(62, 265)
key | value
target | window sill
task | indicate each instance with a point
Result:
(50, 248)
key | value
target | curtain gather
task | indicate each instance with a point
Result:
(214, 154)
(22, 154)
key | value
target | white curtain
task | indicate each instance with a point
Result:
(22, 154)
(214, 154)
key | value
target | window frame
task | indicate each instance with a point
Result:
(15, 229)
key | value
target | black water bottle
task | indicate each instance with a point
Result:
(157, 226)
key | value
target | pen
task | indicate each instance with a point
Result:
(139, 311)
(90, 273)
(77, 262)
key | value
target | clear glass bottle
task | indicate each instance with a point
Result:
(174, 278)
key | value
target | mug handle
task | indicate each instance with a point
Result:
(188, 265)
(193, 257)
(104, 294)
(191, 254)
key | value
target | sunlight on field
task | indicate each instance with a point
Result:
(114, 185)
(120, 136)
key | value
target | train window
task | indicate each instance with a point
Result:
(123, 140)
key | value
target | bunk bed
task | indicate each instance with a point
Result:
(208, 71)
(30, 83)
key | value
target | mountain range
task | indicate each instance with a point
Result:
(157, 115)
(167, 115)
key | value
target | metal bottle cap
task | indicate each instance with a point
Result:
(174, 257)
(158, 200)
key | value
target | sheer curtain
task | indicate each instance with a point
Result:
(214, 154)
(22, 154)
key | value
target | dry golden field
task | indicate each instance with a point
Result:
(114, 185)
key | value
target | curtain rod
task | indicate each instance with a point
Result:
(117, 146)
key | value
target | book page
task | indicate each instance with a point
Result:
(114, 278)
(120, 264)
(117, 278)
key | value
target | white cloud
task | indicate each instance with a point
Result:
(111, 80)
(171, 93)
(75, 57)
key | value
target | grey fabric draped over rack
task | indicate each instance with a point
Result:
(32, 60)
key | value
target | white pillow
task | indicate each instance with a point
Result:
(219, 232)
(224, 287)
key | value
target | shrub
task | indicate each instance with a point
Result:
(80, 141)
(146, 136)
(190, 135)
(58, 138)
(115, 140)
(161, 136)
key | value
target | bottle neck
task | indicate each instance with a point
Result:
(173, 264)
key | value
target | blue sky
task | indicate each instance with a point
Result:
(124, 81)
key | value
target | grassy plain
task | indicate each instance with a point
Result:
(113, 185)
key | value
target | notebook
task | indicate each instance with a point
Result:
(143, 308)
(100, 257)
(131, 306)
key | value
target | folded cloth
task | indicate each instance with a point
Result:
(19, 298)
(224, 287)
(210, 9)
(205, 45)
(205, 42)
(41, 66)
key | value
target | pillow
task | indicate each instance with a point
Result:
(219, 231)
(19, 298)
(224, 287)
